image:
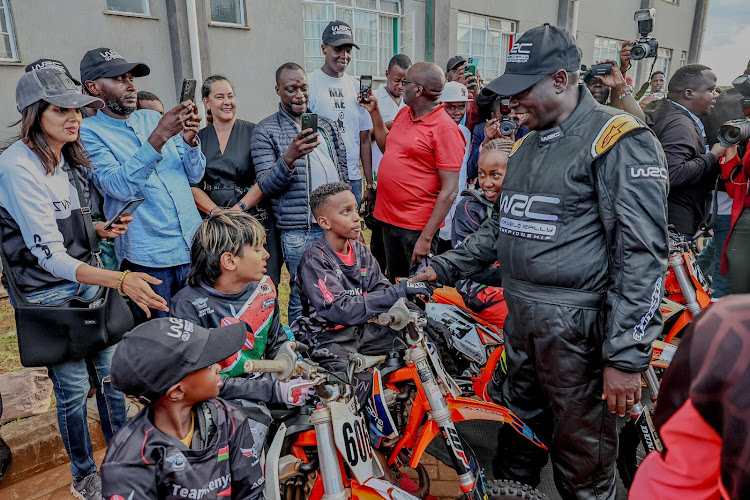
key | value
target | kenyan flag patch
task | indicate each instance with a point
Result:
(223, 454)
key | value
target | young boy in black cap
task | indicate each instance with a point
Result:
(342, 287)
(186, 443)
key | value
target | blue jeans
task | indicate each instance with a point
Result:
(356, 185)
(173, 280)
(71, 381)
(294, 242)
(710, 257)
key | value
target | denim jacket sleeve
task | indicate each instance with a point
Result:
(193, 159)
(120, 181)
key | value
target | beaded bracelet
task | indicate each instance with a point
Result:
(122, 279)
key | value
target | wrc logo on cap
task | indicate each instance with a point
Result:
(519, 53)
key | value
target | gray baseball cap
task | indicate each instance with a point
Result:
(53, 86)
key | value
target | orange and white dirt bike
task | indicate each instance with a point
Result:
(470, 343)
(686, 290)
(415, 401)
(322, 451)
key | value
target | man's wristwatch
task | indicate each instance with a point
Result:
(371, 187)
(628, 90)
(242, 205)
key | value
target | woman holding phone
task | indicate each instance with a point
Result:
(229, 181)
(46, 246)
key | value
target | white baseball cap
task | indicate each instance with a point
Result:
(455, 92)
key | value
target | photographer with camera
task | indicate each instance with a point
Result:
(503, 124)
(735, 135)
(605, 81)
(693, 166)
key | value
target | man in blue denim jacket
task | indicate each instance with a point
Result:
(139, 154)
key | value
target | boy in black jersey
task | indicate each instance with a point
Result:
(186, 443)
(342, 287)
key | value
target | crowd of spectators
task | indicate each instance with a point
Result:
(406, 155)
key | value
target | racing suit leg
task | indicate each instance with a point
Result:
(562, 340)
(332, 348)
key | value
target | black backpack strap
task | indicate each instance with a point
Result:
(17, 294)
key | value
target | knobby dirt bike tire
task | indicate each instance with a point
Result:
(503, 489)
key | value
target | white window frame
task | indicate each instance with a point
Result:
(665, 55)
(146, 10)
(243, 17)
(602, 52)
(334, 8)
(511, 35)
(683, 58)
(10, 33)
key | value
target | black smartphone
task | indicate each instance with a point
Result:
(365, 87)
(188, 90)
(310, 120)
(128, 209)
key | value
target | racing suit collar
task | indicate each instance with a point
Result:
(586, 103)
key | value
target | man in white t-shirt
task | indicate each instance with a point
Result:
(390, 101)
(334, 95)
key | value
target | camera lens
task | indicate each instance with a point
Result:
(734, 133)
(507, 128)
(638, 51)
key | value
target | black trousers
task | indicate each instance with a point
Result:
(399, 244)
(332, 348)
(554, 384)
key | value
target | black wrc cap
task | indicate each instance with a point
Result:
(538, 53)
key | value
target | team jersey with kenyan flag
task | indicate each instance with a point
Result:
(256, 305)
(144, 462)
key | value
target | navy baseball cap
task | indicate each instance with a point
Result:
(107, 63)
(45, 63)
(538, 53)
(338, 33)
(155, 355)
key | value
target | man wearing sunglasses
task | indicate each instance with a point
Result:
(580, 233)
(418, 175)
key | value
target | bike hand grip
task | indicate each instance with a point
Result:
(265, 366)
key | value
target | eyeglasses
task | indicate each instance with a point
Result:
(406, 82)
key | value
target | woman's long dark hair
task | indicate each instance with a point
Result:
(34, 136)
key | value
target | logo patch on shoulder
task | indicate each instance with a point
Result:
(517, 145)
(612, 131)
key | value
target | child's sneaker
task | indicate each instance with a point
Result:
(88, 488)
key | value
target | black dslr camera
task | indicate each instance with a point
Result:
(738, 131)
(646, 46)
(507, 124)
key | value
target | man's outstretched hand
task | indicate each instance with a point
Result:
(622, 390)
(425, 274)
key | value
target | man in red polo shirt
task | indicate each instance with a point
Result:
(418, 175)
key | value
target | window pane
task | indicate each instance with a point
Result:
(226, 11)
(367, 4)
(464, 19)
(486, 38)
(391, 6)
(7, 43)
(386, 42)
(478, 22)
(132, 6)
(348, 3)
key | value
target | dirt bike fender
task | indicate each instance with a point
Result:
(378, 489)
(470, 409)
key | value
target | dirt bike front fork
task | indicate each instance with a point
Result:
(471, 482)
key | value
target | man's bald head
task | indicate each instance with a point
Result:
(430, 76)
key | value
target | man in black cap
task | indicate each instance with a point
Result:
(140, 154)
(454, 72)
(334, 95)
(580, 232)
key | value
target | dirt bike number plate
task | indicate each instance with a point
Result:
(695, 269)
(353, 441)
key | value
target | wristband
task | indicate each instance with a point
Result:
(211, 212)
(122, 279)
(242, 205)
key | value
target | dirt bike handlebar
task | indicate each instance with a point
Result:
(265, 366)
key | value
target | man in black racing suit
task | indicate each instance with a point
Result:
(580, 232)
